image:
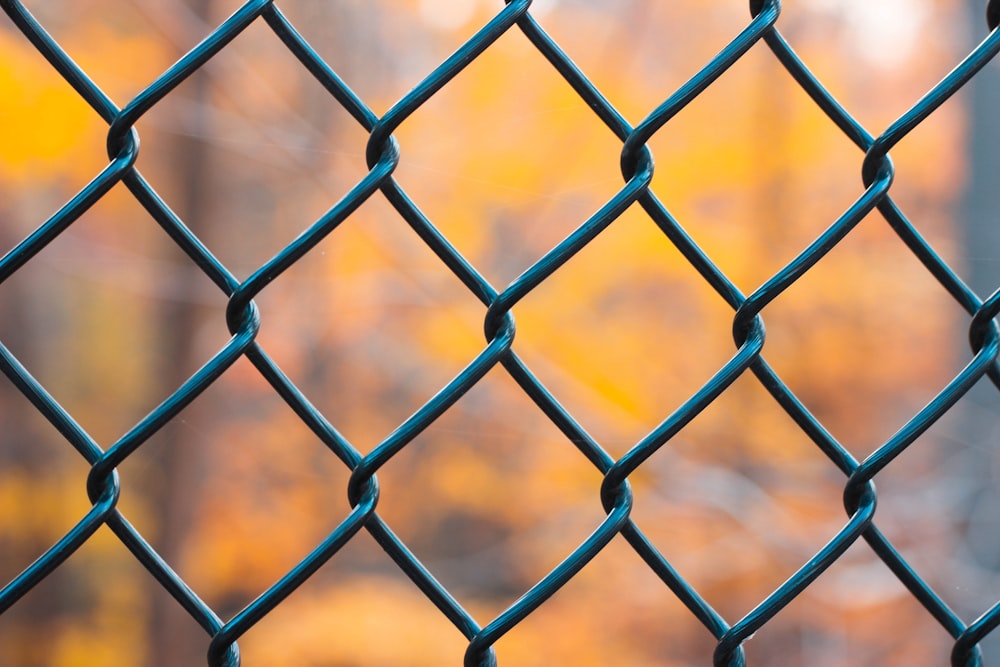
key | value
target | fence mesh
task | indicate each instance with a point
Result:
(244, 321)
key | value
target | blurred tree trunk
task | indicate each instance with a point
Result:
(982, 199)
(171, 639)
(29, 622)
(978, 426)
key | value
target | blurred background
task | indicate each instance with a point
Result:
(505, 160)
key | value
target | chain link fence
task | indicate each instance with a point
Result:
(243, 320)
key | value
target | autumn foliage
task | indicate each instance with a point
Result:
(505, 161)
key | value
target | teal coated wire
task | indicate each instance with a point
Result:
(383, 154)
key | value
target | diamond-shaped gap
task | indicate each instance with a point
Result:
(491, 496)
(739, 499)
(42, 496)
(615, 611)
(365, 614)
(866, 337)
(937, 505)
(42, 501)
(51, 141)
(880, 58)
(755, 182)
(507, 159)
(252, 150)
(93, 610)
(111, 316)
(624, 332)
(122, 48)
(638, 53)
(371, 324)
(235, 491)
(965, 483)
(855, 613)
(384, 48)
(359, 40)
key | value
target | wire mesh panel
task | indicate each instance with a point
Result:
(616, 470)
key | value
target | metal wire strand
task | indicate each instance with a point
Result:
(383, 154)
